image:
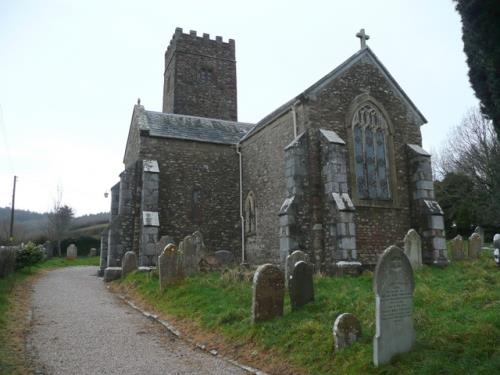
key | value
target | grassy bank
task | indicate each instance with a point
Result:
(457, 320)
(14, 305)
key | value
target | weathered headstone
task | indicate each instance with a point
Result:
(112, 273)
(201, 249)
(162, 242)
(393, 285)
(129, 263)
(346, 331)
(457, 248)
(268, 293)
(413, 248)
(300, 285)
(496, 246)
(224, 257)
(291, 260)
(474, 245)
(71, 251)
(190, 255)
(169, 266)
(93, 252)
(479, 230)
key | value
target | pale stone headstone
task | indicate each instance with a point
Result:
(346, 331)
(112, 273)
(93, 252)
(268, 293)
(413, 248)
(457, 248)
(224, 257)
(300, 285)
(201, 249)
(291, 260)
(169, 266)
(71, 251)
(474, 245)
(479, 230)
(129, 263)
(393, 285)
(496, 245)
(190, 256)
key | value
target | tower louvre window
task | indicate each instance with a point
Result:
(205, 75)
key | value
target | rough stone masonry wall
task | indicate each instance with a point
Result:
(378, 224)
(207, 172)
(200, 77)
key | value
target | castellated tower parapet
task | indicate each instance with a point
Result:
(200, 76)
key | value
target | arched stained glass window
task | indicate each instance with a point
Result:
(370, 155)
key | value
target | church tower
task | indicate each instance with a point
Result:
(200, 76)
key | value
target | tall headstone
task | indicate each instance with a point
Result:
(474, 245)
(480, 230)
(413, 248)
(301, 286)
(393, 285)
(71, 251)
(190, 256)
(346, 331)
(457, 248)
(129, 263)
(169, 266)
(268, 293)
(496, 246)
(291, 260)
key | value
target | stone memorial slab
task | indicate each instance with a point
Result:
(112, 273)
(413, 248)
(291, 260)
(169, 269)
(224, 257)
(457, 248)
(129, 263)
(393, 285)
(300, 285)
(93, 252)
(268, 293)
(474, 246)
(479, 230)
(346, 331)
(71, 251)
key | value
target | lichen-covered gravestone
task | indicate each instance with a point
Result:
(129, 263)
(496, 251)
(168, 266)
(291, 260)
(301, 285)
(474, 245)
(71, 251)
(413, 248)
(393, 285)
(268, 293)
(346, 331)
(457, 248)
(224, 257)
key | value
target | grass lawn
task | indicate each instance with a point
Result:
(456, 314)
(14, 305)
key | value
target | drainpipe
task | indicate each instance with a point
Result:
(294, 117)
(242, 218)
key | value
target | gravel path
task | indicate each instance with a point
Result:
(78, 327)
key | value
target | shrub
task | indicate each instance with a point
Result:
(28, 256)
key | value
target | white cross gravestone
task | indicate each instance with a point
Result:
(393, 285)
(413, 248)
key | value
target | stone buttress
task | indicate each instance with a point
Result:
(113, 232)
(426, 212)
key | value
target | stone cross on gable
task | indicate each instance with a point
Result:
(363, 37)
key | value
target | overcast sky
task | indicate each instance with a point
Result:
(71, 71)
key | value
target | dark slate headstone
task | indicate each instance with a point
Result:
(457, 248)
(169, 266)
(291, 260)
(393, 285)
(190, 256)
(300, 285)
(268, 293)
(129, 263)
(346, 331)
(224, 257)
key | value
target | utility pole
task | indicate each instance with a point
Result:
(12, 212)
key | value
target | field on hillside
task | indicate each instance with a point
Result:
(456, 314)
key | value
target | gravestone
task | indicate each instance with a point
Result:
(93, 252)
(190, 258)
(291, 260)
(393, 285)
(413, 248)
(224, 257)
(201, 249)
(346, 331)
(474, 245)
(169, 266)
(496, 251)
(268, 293)
(162, 242)
(300, 285)
(71, 251)
(479, 230)
(129, 263)
(457, 248)
(112, 273)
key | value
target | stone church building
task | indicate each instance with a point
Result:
(338, 171)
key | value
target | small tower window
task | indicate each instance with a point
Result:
(250, 217)
(205, 75)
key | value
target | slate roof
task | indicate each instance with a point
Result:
(362, 53)
(169, 125)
